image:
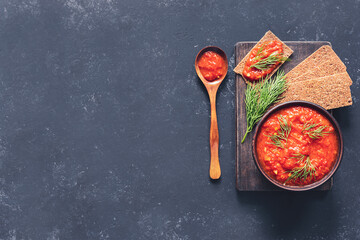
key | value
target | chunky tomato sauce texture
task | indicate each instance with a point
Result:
(212, 66)
(259, 53)
(280, 163)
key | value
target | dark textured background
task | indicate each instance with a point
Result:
(104, 125)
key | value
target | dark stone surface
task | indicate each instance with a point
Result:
(104, 125)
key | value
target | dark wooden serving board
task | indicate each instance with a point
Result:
(248, 177)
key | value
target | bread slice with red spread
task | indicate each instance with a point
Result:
(269, 36)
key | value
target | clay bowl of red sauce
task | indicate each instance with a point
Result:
(297, 145)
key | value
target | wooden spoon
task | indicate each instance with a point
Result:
(212, 87)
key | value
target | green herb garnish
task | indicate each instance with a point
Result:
(258, 54)
(307, 126)
(314, 130)
(282, 133)
(302, 172)
(267, 62)
(258, 97)
(299, 156)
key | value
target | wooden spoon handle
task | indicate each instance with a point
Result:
(215, 171)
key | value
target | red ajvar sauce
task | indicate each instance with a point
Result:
(279, 162)
(257, 54)
(212, 66)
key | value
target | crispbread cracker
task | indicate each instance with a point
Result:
(267, 37)
(329, 92)
(344, 76)
(330, 67)
(322, 62)
(308, 63)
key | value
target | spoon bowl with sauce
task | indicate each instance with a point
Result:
(211, 66)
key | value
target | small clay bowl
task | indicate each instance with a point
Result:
(322, 111)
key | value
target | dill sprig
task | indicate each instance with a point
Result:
(258, 54)
(276, 140)
(299, 156)
(282, 133)
(308, 169)
(314, 130)
(308, 125)
(258, 97)
(267, 62)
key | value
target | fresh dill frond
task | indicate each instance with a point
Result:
(285, 128)
(258, 98)
(276, 140)
(314, 131)
(258, 54)
(282, 133)
(267, 62)
(308, 169)
(299, 156)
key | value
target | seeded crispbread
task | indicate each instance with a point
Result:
(329, 92)
(322, 62)
(267, 37)
(309, 62)
(332, 65)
